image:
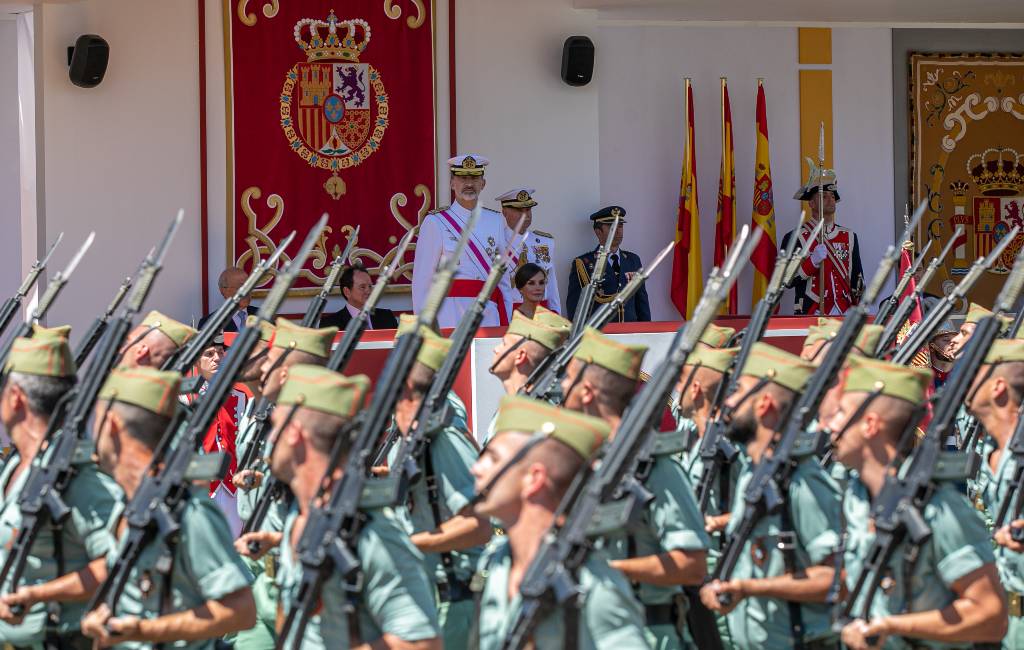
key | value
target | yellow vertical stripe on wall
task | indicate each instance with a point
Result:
(815, 108)
(815, 45)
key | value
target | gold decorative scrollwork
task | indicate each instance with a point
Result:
(257, 239)
(270, 9)
(394, 12)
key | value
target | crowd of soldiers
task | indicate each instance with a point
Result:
(834, 498)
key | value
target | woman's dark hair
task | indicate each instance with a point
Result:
(525, 274)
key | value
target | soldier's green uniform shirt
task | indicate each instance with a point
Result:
(206, 567)
(93, 498)
(452, 455)
(813, 502)
(611, 617)
(397, 596)
(959, 544)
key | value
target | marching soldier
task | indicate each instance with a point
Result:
(206, 592)
(438, 236)
(444, 528)
(251, 376)
(526, 343)
(950, 596)
(539, 249)
(395, 605)
(669, 548)
(522, 489)
(292, 345)
(771, 596)
(619, 269)
(974, 314)
(40, 371)
(836, 258)
(154, 341)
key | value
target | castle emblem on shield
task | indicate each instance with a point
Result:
(334, 109)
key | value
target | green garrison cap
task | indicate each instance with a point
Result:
(180, 333)
(719, 359)
(61, 331)
(976, 312)
(1005, 351)
(827, 328)
(868, 339)
(47, 355)
(148, 388)
(585, 434)
(317, 342)
(548, 318)
(867, 375)
(600, 350)
(778, 366)
(549, 337)
(434, 349)
(716, 336)
(323, 390)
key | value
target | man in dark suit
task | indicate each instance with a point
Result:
(356, 286)
(229, 282)
(620, 267)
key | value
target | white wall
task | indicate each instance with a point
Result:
(121, 158)
(10, 160)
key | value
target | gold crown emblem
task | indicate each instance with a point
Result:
(346, 45)
(959, 189)
(469, 162)
(997, 171)
(523, 196)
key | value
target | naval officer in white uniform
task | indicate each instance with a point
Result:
(539, 249)
(439, 233)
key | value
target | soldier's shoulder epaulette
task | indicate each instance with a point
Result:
(543, 234)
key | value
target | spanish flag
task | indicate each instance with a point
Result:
(725, 218)
(687, 270)
(763, 216)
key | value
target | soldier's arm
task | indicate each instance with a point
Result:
(392, 642)
(214, 618)
(74, 587)
(675, 567)
(464, 530)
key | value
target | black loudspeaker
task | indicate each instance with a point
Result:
(578, 60)
(88, 60)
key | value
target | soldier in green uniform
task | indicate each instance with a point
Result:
(206, 593)
(291, 345)
(525, 344)
(771, 606)
(40, 371)
(950, 597)
(251, 376)
(444, 528)
(669, 548)
(395, 606)
(523, 494)
(154, 341)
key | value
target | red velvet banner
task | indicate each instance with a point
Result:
(331, 109)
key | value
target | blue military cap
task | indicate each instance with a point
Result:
(608, 214)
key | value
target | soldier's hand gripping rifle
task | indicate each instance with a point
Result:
(53, 289)
(42, 499)
(885, 310)
(551, 578)
(153, 514)
(897, 509)
(543, 380)
(99, 325)
(316, 306)
(329, 538)
(354, 331)
(586, 301)
(11, 305)
(766, 493)
(716, 451)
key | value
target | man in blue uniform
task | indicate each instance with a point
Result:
(619, 269)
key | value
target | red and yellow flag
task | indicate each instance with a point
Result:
(687, 270)
(763, 216)
(725, 218)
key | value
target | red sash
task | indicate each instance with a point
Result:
(475, 253)
(463, 288)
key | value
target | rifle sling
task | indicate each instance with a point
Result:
(796, 611)
(434, 496)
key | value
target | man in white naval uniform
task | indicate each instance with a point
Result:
(439, 234)
(539, 249)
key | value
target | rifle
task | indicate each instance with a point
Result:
(940, 312)
(886, 308)
(99, 325)
(185, 356)
(892, 327)
(329, 538)
(766, 493)
(897, 510)
(316, 306)
(585, 303)
(154, 511)
(347, 345)
(10, 306)
(543, 381)
(41, 500)
(53, 290)
(550, 580)
(716, 451)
